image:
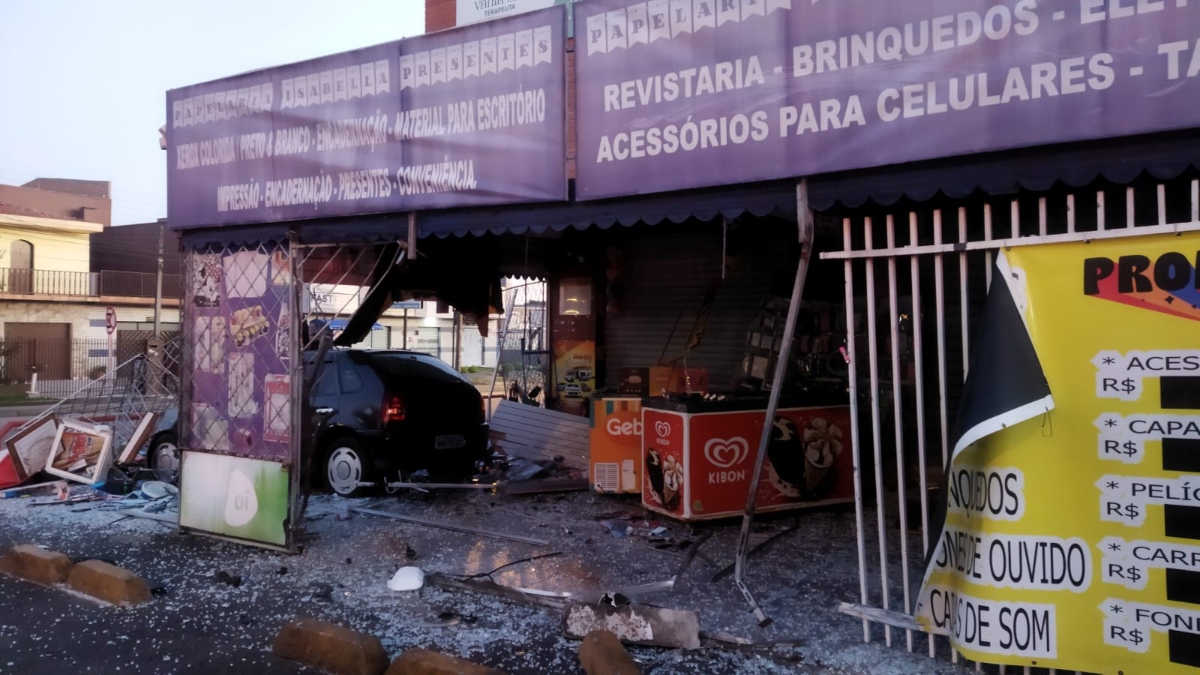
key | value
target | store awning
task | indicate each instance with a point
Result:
(760, 199)
(1119, 161)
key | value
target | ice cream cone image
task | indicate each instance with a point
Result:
(672, 479)
(822, 445)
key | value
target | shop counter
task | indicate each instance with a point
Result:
(698, 456)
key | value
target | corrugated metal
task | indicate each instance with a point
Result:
(667, 271)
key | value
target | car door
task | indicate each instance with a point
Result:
(324, 394)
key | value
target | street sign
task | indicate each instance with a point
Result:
(110, 319)
(407, 304)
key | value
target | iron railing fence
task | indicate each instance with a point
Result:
(87, 284)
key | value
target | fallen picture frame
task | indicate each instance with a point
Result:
(31, 445)
(76, 443)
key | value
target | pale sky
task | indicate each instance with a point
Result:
(83, 82)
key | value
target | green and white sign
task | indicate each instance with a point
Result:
(237, 497)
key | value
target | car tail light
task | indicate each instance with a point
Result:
(393, 409)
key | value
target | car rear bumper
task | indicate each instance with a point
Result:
(408, 450)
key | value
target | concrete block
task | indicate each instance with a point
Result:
(36, 564)
(109, 583)
(425, 662)
(331, 648)
(603, 654)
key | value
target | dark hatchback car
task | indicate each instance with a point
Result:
(388, 413)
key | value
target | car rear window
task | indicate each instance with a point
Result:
(415, 365)
(349, 377)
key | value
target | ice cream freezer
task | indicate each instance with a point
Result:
(698, 456)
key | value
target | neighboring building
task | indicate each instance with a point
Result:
(61, 267)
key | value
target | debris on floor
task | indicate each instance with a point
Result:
(635, 624)
(449, 526)
(407, 579)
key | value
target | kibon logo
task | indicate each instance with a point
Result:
(1165, 283)
(724, 453)
(662, 429)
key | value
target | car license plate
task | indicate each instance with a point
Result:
(449, 442)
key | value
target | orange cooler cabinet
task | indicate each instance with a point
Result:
(616, 445)
(698, 457)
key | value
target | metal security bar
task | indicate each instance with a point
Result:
(915, 371)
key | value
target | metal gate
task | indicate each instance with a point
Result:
(915, 284)
(523, 359)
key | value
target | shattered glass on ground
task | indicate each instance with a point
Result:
(219, 605)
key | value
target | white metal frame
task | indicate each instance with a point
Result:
(877, 597)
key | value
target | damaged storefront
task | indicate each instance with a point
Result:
(768, 254)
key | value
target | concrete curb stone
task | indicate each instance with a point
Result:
(36, 564)
(109, 583)
(603, 654)
(331, 648)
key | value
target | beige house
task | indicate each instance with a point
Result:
(54, 298)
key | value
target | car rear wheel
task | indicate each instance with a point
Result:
(163, 457)
(347, 465)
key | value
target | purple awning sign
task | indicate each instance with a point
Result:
(466, 117)
(675, 94)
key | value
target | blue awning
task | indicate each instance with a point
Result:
(340, 324)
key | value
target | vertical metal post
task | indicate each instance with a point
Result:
(876, 436)
(962, 291)
(1162, 204)
(898, 418)
(1100, 210)
(987, 235)
(297, 346)
(1129, 207)
(412, 235)
(855, 444)
(805, 223)
(939, 291)
(919, 389)
(1071, 213)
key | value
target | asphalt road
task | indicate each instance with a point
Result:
(48, 631)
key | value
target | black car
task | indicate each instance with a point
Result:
(387, 413)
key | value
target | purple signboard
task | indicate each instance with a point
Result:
(470, 116)
(238, 309)
(675, 94)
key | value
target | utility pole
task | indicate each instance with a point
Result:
(154, 346)
(457, 340)
(158, 285)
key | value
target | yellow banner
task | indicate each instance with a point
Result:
(1072, 540)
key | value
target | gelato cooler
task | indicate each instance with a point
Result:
(616, 444)
(698, 456)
